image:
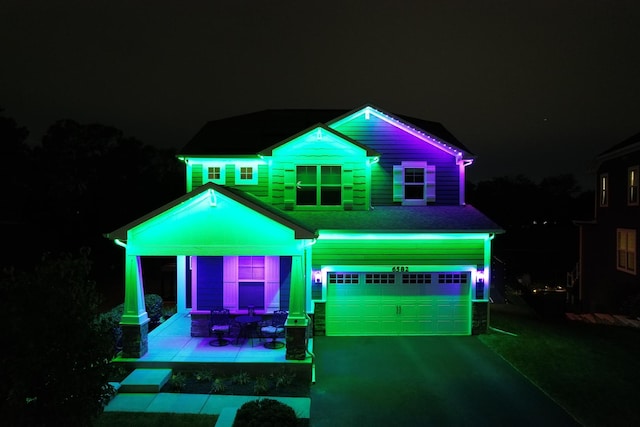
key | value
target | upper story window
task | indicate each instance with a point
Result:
(246, 174)
(414, 183)
(214, 173)
(632, 185)
(603, 190)
(318, 185)
(626, 252)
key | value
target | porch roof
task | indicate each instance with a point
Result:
(300, 229)
(403, 219)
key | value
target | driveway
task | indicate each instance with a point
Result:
(423, 381)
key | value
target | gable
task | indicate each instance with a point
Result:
(212, 221)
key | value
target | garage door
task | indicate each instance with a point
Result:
(398, 303)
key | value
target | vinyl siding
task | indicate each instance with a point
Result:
(395, 146)
(398, 252)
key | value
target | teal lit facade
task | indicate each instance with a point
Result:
(356, 224)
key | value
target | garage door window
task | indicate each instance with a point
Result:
(344, 278)
(383, 278)
(416, 278)
(452, 278)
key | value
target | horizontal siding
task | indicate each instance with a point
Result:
(396, 146)
(389, 252)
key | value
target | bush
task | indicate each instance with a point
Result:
(111, 320)
(265, 412)
(153, 305)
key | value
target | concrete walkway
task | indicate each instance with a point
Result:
(183, 403)
(423, 381)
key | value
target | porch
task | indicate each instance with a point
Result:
(171, 345)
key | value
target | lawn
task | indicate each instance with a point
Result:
(593, 371)
(145, 419)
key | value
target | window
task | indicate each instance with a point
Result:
(604, 190)
(213, 173)
(414, 183)
(417, 278)
(344, 278)
(452, 278)
(633, 180)
(384, 278)
(626, 252)
(250, 268)
(246, 174)
(318, 186)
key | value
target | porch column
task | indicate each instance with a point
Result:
(181, 283)
(296, 325)
(135, 322)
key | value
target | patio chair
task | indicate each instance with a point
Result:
(275, 328)
(219, 325)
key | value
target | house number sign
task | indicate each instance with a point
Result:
(400, 268)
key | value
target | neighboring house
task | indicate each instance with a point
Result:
(608, 265)
(355, 222)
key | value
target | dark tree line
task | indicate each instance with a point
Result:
(541, 238)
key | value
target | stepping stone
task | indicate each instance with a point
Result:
(145, 381)
(588, 317)
(573, 316)
(623, 320)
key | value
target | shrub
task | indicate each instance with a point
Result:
(265, 412)
(241, 378)
(153, 305)
(178, 382)
(261, 386)
(218, 386)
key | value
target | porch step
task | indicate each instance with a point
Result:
(144, 380)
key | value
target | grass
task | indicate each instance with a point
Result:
(145, 419)
(593, 371)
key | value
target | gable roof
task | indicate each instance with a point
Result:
(269, 150)
(622, 146)
(253, 132)
(301, 230)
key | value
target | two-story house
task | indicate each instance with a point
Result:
(355, 220)
(608, 265)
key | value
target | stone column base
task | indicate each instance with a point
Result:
(296, 343)
(479, 318)
(135, 342)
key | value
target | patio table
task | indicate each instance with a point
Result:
(248, 327)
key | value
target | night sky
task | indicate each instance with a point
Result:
(532, 87)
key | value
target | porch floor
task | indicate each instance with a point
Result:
(171, 344)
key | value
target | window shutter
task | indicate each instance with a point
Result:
(272, 283)
(196, 175)
(431, 183)
(347, 194)
(230, 279)
(398, 183)
(289, 187)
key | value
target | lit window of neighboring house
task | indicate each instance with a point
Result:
(414, 183)
(246, 174)
(626, 254)
(633, 180)
(318, 185)
(214, 173)
(604, 190)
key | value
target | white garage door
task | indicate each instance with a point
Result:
(398, 303)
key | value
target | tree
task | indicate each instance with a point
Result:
(14, 157)
(54, 366)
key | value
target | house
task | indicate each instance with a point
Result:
(353, 221)
(608, 264)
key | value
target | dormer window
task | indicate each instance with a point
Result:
(414, 183)
(318, 185)
(214, 173)
(246, 174)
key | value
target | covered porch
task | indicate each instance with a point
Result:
(171, 346)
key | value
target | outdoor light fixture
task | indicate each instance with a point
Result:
(317, 277)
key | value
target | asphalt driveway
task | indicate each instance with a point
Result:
(423, 381)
